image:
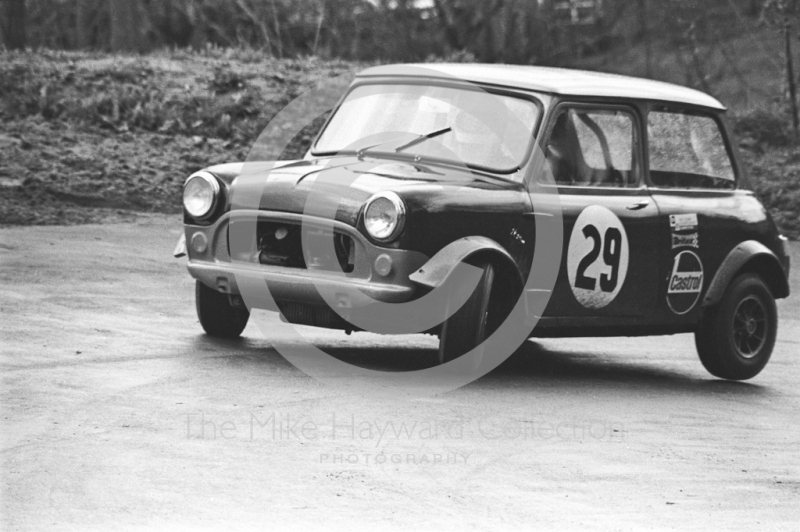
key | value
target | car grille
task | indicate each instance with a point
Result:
(281, 244)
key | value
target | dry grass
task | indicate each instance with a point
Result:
(92, 137)
(88, 137)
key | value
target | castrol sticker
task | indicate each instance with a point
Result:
(597, 258)
(685, 282)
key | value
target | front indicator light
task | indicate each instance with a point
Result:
(199, 242)
(383, 265)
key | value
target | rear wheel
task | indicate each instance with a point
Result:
(217, 316)
(468, 327)
(736, 338)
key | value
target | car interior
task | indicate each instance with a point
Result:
(577, 137)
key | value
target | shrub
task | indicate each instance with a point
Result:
(765, 127)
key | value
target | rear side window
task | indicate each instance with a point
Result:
(595, 148)
(688, 151)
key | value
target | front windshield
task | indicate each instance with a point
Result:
(484, 130)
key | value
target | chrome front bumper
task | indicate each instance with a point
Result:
(214, 266)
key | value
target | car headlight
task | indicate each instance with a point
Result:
(385, 216)
(200, 194)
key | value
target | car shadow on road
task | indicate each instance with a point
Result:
(537, 364)
(255, 350)
(534, 364)
(380, 357)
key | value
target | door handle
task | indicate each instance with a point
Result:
(638, 205)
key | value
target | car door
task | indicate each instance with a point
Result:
(693, 180)
(609, 266)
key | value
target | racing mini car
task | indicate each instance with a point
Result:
(442, 165)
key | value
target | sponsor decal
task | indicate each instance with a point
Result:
(597, 259)
(685, 282)
(686, 241)
(683, 222)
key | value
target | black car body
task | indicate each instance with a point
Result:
(662, 233)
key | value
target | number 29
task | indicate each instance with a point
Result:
(611, 248)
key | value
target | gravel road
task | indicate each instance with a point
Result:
(118, 413)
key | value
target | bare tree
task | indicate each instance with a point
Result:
(278, 38)
(126, 26)
(15, 28)
(785, 13)
(258, 23)
(645, 32)
(463, 21)
(320, 20)
(790, 79)
(82, 29)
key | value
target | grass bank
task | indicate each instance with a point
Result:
(91, 137)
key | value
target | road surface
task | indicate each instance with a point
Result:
(118, 413)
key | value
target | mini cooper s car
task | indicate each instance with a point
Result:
(662, 233)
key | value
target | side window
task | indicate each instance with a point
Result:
(688, 151)
(589, 147)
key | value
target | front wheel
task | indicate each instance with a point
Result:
(736, 338)
(467, 328)
(217, 316)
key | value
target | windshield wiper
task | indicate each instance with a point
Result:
(423, 138)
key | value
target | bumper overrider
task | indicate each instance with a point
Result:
(379, 273)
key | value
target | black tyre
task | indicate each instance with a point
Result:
(217, 316)
(468, 327)
(736, 338)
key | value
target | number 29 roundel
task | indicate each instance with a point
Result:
(597, 257)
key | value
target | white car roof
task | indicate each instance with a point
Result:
(562, 81)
